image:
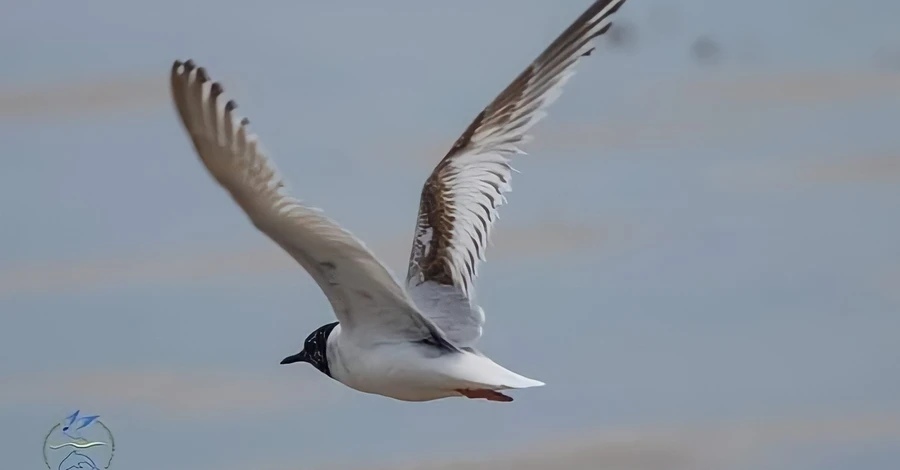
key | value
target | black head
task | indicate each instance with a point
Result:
(314, 349)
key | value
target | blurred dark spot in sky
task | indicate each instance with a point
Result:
(705, 50)
(623, 35)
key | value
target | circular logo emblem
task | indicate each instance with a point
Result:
(79, 443)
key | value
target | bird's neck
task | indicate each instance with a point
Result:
(332, 350)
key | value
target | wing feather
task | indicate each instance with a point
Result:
(361, 290)
(460, 199)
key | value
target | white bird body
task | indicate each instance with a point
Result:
(414, 371)
(413, 342)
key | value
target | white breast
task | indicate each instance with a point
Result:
(398, 370)
(415, 372)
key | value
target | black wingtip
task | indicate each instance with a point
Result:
(216, 89)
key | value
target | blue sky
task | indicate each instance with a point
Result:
(686, 243)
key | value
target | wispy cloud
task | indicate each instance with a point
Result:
(77, 99)
(691, 446)
(800, 87)
(590, 140)
(875, 168)
(174, 393)
(684, 446)
(535, 241)
(676, 118)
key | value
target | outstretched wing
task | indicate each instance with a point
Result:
(86, 421)
(460, 199)
(363, 293)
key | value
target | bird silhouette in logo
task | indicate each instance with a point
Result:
(74, 424)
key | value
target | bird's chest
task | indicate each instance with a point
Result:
(395, 371)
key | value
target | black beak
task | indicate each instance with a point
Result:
(299, 357)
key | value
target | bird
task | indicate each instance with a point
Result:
(412, 341)
(74, 425)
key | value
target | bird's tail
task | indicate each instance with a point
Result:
(520, 381)
(490, 375)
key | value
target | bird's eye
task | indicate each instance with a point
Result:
(66, 428)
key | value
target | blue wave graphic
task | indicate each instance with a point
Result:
(78, 446)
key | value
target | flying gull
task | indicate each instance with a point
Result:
(413, 341)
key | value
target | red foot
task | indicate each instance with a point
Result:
(489, 395)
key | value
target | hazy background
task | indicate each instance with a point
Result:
(701, 257)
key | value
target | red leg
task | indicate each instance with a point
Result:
(489, 395)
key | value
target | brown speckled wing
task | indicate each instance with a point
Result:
(460, 199)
